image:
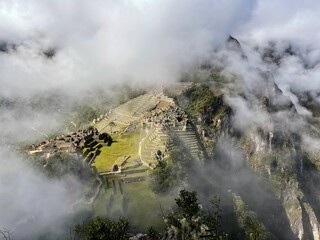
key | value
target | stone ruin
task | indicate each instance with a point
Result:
(168, 117)
(71, 143)
(102, 117)
(162, 124)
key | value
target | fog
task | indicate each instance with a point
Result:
(31, 204)
(102, 44)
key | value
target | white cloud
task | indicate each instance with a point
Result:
(29, 202)
(110, 41)
(106, 42)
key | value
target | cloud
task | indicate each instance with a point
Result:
(247, 117)
(276, 20)
(30, 203)
(94, 44)
(291, 31)
(104, 42)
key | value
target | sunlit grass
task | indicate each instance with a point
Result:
(123, 145)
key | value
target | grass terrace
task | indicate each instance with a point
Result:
(144, 206)
(126, 144)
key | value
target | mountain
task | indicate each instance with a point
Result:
(215, 134)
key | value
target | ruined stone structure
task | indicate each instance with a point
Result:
(156, 113)
(72, 143)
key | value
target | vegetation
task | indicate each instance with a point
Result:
(200, 99)
(143, 203)
(127, 92)
(5, 234)
(162, 179)
(190, 222)
(61, 164)
(187, 221)
(207, 74)
(172, 170)
(84, 114)
(152, 233)
(248, 220)
(65, 166)
(202, 104)
(123, 145)
(102, 229)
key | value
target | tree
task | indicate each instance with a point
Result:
(190, 222)
(172, 170)
(153, 234)
(84, 114)
(161, 178)
(103, 228)
(213, 221)
(188, 203)
(186, 222)
(5, 234)
(253, 229)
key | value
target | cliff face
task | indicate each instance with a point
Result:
(267, 164)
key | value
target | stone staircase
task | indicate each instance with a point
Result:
(188, 137)
(155, 140)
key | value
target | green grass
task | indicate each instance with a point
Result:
(143, 171)
(123, 145)
(101, 203)
(138, 203)
(144, 206)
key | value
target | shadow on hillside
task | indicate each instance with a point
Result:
(228, 174)
(309, 182)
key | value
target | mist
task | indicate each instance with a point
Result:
(74, 47)
(31, 204)
(137, 41)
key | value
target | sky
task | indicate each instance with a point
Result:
(140, 41)
(101, 43)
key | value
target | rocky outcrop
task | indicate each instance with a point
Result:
(273, 151)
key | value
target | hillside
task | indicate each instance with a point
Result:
(262, 170)
(160, 120)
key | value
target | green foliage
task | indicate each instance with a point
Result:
(206, 73)
(161, 178)
(253, 229)
(152, 233)
(190, 222)
(84, 114)
(249, 221)
(214, 219)
(63, 164)
(221, 76)
(187, 203)
(200, 99)
(186, 222)
(202, 104)
(102, 229)
(172, 220)
(170, 171)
